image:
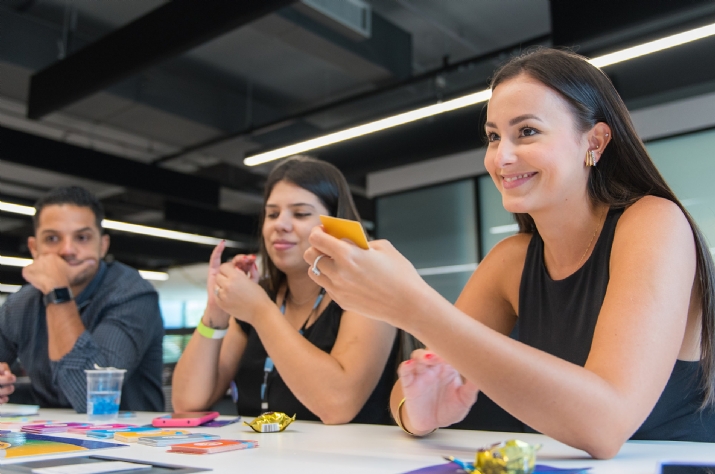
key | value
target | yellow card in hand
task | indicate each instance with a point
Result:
(345, 229)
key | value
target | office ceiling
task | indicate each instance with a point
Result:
(154, 104)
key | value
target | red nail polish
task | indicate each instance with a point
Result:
(408, 362)
(429, 356)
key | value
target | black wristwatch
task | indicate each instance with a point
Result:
(58, 295)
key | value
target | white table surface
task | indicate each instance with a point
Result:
(310, 447)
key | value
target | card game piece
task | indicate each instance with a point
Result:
(109, 433)
(161, 441)
(92, 468)
(210, 447)
(132, 437)
(345, 229)
(84, 429)
(51, 427)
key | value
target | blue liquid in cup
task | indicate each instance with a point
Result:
(104, 404)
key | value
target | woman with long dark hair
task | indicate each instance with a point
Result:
(288, 347)
(609, 280)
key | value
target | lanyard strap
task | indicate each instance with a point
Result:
(268, 364)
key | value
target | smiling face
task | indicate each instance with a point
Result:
(535, 154)
(291, 213)
(71, 232)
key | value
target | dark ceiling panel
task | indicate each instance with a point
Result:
(31, 150)
(166, 32)
(215, 219)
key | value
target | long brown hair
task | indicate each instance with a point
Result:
(625, 172)
(318, 177)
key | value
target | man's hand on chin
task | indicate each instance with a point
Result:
(50, 271)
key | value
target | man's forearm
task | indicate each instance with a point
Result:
(64, 326)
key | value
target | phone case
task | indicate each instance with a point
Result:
(345, 229)
(184, 419)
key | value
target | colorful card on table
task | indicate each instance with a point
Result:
(38, 445)
(17, 422)
(109, 433)
(132, 437)
(110, 426)
(162, 441)
(215, 446)
(345, 229)
(51, 427)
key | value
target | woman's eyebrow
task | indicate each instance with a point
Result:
(297, 204)
(516, 120)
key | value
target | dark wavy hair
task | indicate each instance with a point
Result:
(625, 171)
(321, 179)
(74, 195)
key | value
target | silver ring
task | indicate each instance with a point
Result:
(216, 290)
(315, 269)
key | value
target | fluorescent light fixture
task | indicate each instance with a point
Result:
(23, 262)
(134, 228)
(9, 288)
(467, 267)
(166, 234)
(654, 46)
(465, 101)
(371, 127)
(158, 276)
(15, 261)
(17, 208)
(504, 229)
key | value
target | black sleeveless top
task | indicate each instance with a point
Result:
(322, 334)
(559, 317)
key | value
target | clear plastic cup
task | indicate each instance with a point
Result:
(104, 390)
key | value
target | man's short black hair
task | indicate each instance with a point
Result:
(73, 195)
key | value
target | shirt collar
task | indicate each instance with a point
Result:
(84, 298)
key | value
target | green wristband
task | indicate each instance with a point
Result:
(210, 333)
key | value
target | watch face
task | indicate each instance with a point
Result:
(58, 295)
(62, 294)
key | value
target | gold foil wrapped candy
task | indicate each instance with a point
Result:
(508, 457)
(270, 422)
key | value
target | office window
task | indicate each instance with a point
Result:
(688, 165)
(496, 222)
(435, 228)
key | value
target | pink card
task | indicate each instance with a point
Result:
(52, 427)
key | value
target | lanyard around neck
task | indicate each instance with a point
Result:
(268, 364)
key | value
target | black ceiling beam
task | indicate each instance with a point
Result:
(31, 150)
(165, 32)
(289, 119)
(215, 219)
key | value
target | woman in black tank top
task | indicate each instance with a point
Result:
(609, 281)
(287, 347)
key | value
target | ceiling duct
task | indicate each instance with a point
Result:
(352, 18)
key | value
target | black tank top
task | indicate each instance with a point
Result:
(559, 317)
(322, 334)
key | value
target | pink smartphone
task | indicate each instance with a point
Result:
(185, 419)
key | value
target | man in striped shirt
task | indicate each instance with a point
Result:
(79, 311)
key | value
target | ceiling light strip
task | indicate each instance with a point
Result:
(465, 101)
(368, 128)
(134, 228)
(9, 288)
(23, 262)
(654, 46)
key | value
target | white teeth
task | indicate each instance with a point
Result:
(514, 178)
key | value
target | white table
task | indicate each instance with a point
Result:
(308, 447)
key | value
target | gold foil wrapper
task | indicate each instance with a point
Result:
(508, 457)
(271, 422)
